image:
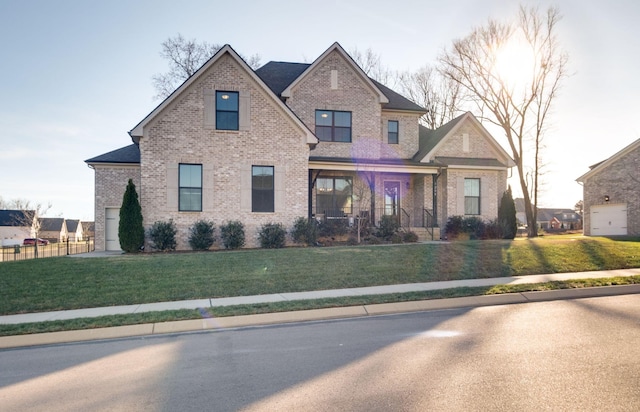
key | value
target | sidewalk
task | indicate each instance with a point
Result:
(208, 322)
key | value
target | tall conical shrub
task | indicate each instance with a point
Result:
(130, 229)
(507, 215)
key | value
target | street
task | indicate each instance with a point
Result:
(581, 354)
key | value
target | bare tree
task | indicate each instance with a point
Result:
(438, 94)
(371, 64)
(185, 57)
(30, 216)
(493, 78)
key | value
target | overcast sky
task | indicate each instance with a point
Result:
(75, 76)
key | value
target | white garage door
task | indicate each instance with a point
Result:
(112, 216)
(609, 220)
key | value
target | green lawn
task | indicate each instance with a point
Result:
(71, 283)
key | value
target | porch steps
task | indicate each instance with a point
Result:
(424, 234)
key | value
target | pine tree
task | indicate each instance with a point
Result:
(507, 215)
(130, 229)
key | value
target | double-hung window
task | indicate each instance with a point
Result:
(333, 126)
(392, 132)
(262, 189)
(227, 110)
(334, 195)
(471, 196)
(190, 190)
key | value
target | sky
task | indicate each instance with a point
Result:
(75, 75)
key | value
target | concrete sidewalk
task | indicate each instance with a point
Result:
(208, 322)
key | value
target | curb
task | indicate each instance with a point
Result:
(212, 323)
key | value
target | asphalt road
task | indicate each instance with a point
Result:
(579, 354)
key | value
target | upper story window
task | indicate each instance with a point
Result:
(392, 132)
(190, 190)
(471, 196)
(227, 109)
(333, 126)
(262, 189)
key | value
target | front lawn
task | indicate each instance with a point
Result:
(71, 283)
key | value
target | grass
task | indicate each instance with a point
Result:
(65, 283)
(71, 283)
(186, 314)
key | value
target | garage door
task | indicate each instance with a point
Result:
(609, 220)
(112, 216)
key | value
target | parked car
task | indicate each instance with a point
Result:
(32, 241)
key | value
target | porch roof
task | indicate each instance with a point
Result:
(470, 162)
(372, 165)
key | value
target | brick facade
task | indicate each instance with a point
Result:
(272, 132)
(619, 179)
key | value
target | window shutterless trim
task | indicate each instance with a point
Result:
(262, 195)
(336, 131)
(220, 124)
(393, 136)
(194, 189)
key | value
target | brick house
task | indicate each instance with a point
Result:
(611, 194)
(293, 140)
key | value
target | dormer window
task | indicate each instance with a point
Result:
(333, 126)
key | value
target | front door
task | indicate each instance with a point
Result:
(392, 198)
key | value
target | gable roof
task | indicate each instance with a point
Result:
(430, 140)
(72, 225)
(606, 163)
(279, 75)
(15, 217)
(51, 224)
(337, 48)
(127, 154)
(137, 131)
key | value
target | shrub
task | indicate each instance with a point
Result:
(507, 216)
(352, 240)
(272, 236)
(130, 229)
(410, 237)
(454, 226)
(333, 227)
(163, 235)
(396, 238)
(202, 235)
(388, 227)
(373, 240)
(232, 234)
(305, 231)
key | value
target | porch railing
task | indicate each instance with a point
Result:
(406, 219)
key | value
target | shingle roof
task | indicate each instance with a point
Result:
(429, 138)
(466, 161)
(279, 75)
(15, 217)
(48, 224)
(127, 154)
(72, 225)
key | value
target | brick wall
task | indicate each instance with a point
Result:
(177, 135)
(110, 185)
(621, 182)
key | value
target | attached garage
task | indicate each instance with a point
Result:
(112, 216)
(609, 220)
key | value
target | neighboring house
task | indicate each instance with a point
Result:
(15, 226)
(290, 140)
(550, 218)
(611, 194)
(74, 230)
(54, 229)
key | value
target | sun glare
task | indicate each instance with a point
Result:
(515, 63)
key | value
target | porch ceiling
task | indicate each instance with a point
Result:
(373, 165)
